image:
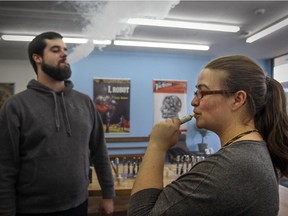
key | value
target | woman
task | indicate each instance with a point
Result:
(247, 110)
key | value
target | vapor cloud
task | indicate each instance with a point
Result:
(105, 20)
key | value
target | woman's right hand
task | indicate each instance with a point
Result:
(165, 134)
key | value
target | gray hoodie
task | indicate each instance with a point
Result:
(46, 142)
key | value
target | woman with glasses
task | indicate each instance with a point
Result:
(247, 110)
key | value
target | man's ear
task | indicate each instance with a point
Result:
(239, 99)
(37, 58)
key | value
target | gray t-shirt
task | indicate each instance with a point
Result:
(236, 180)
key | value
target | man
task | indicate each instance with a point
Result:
(49, 135)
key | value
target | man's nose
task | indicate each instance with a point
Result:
(64, 52)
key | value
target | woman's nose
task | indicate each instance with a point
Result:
(194, 101)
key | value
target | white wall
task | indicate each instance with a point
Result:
(19, 72)
(280, 71)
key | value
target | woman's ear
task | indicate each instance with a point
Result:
(239, 99)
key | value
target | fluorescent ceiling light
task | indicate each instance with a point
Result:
(65, 39)
(267, 31)
(83, 40)
(105, 42)
(160, 45)
(75, 40)
(187, 25)
(17, 37)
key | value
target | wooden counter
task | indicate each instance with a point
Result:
(283, 196)
(123, 190)
(122, 187)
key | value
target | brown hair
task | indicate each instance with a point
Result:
(38, 44)
(266, 102)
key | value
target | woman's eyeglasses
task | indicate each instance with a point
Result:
(201, 93)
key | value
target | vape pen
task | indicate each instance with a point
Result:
(186, 118)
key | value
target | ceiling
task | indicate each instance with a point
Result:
(34, 17)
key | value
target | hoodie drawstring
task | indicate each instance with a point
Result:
(57, 120)
(68, 127)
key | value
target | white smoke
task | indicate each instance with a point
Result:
(106, 20)
(80, 51)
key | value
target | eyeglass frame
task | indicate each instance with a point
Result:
(204, 93)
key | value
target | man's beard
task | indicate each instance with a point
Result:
(57, 73)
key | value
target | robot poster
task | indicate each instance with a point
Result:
(6, 91)
(170, 100)
(112, 100)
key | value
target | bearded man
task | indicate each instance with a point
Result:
(50, 134)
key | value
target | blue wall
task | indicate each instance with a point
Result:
(141, 69)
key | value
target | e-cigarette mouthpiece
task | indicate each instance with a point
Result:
(186, 118)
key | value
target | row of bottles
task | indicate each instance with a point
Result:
(185, 162)
(122, 169)
(126, 168)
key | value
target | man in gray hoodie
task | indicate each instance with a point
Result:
(49, 134)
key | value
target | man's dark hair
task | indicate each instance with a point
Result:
(38, 44)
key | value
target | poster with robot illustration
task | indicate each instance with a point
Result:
(6, 91)
(112, 100)
(170, 98)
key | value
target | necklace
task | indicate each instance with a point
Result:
(239, 136)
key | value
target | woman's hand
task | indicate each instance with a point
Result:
(165, 134)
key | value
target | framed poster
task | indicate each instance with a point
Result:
(112, 100)
(170, 98)
(6, 91)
